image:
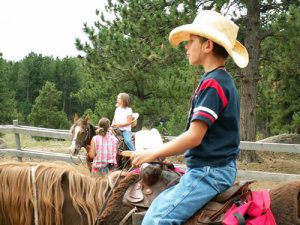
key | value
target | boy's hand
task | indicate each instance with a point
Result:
(140, 157)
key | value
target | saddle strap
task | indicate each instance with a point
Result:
(123, 221)
(227, 205)
(240, 218)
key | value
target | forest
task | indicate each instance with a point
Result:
(131, 53)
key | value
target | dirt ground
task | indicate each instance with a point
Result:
(272, 162)
(276, 162)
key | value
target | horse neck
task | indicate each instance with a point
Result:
(91, 133)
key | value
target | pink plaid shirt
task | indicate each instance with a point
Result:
(106, 150)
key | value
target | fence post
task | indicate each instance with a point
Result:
(17, 138)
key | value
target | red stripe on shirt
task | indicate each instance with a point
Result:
(204, 114)
(212, 83)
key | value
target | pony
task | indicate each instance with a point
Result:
(285, 205)
(49, 194)
(82, 134)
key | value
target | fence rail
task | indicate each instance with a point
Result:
(66, 135)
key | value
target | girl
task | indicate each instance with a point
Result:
(103, 149)
(123, 118)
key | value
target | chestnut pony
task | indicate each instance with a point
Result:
(82, 134)
(51, 194)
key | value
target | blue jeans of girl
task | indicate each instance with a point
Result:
(195, 188)
(127, 135)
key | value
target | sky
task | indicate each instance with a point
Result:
(47, 27)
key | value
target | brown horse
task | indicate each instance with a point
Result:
(285, 204)
(82, 134)
(49, 194)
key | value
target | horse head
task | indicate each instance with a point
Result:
(82, 134)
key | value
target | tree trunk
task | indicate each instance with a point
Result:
(249, 78)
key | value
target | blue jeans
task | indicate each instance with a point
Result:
(127, 135)
(195, 188)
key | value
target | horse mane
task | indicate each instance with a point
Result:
(55, 183)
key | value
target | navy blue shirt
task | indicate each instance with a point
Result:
(216, 102)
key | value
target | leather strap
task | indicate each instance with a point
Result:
(240, 218)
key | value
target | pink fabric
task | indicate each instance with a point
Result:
(257, 209)
(106, 150)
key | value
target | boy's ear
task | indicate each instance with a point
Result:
(209, 46)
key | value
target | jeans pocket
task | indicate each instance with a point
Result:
(224, 177)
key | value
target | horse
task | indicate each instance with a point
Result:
(49, 194)
(285, 205)
(82, 134)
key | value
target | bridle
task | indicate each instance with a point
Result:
(83, 142)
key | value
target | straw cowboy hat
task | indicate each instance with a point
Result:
(135, 116)
(215, 27)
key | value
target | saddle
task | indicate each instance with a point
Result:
(154, 179)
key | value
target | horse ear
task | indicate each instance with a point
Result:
(85, 119)
(75, 118)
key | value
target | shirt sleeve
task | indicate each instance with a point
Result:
(210, 100)
(129, 111)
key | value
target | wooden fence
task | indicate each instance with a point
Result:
(66, 135)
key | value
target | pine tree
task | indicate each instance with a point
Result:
(46, 110)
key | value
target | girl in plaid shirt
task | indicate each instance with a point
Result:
(103, 149)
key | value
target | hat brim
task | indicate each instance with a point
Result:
(182, 33)
(135, 116)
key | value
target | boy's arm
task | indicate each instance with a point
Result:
(189, 139)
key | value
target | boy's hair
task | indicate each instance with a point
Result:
(104, 124)
(125, 98)
(218, 50)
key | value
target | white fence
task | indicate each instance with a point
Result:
(66, 135)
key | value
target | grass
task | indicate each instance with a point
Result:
(43, 145)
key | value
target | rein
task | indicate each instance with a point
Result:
(34, 193)
(111, 190)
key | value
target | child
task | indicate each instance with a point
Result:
(211, 142)
(123, 118)
(103, 149)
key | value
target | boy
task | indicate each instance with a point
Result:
(211, 142)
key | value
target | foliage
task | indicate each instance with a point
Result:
(280, 92)
(45, 112)
(132, 54)
(8, 111)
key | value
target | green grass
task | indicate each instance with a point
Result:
(43, 145)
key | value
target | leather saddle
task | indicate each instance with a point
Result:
(154, 179)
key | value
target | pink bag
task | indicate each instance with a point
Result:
(255, 211)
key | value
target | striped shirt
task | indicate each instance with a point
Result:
(106, 150)
(215, 102)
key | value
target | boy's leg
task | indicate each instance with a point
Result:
(127, 135)
(198, 186)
